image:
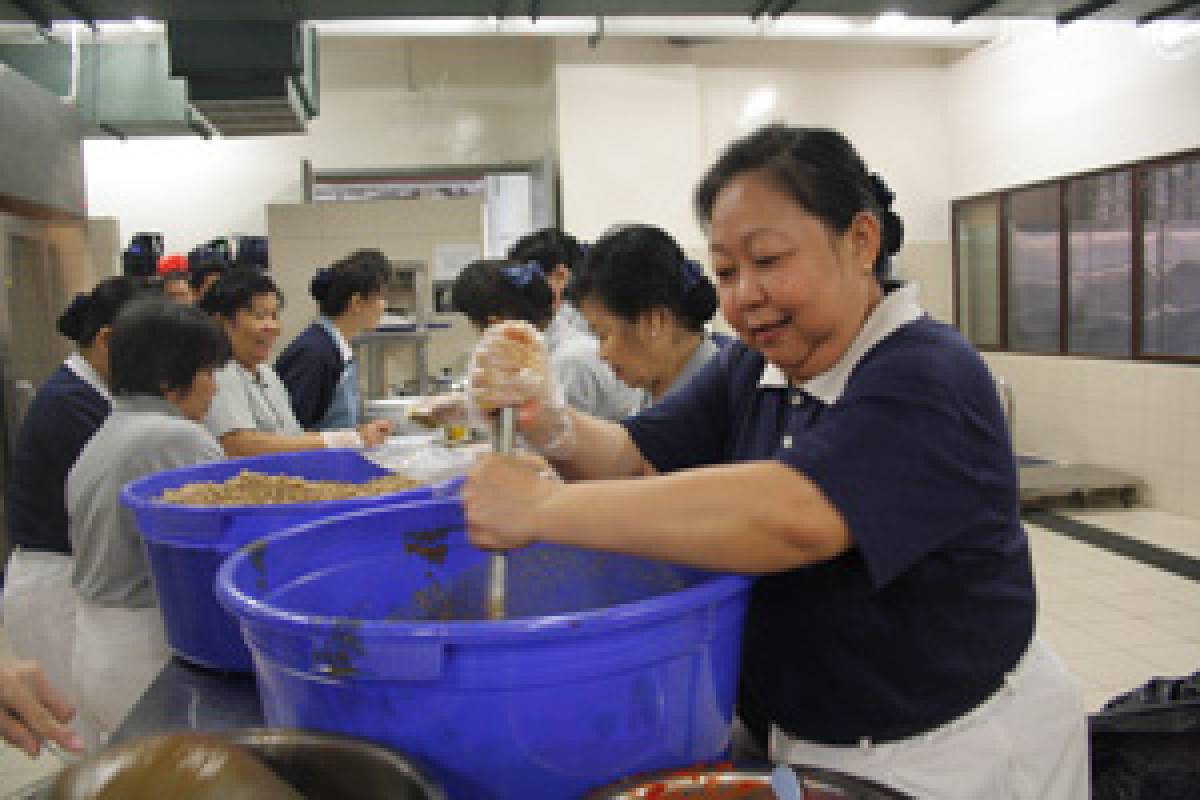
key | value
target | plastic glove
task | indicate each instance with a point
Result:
(440, 410)
(510, 367)
(32, 711)
(347, 439)
(367, 435)
(375, 433)
(444, 412)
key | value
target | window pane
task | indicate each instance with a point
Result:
(975, 238)
(1099, 263)
(1171, 249)
(1033, 270)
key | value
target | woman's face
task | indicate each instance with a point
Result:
(369, 309)
(194, 401)
(252, 332)
(792, 288)
(627, 347)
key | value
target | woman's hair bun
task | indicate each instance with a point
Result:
(893, 232)
(882, 192)
(319, 286)
(71, 322)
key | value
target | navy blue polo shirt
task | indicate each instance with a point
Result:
(919, 621)
(310, 368)
(64, 414)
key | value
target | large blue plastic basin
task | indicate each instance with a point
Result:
(186, 544)
(609, 665)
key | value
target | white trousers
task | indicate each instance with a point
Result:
(118, 654)
(39, 612)
(1028, 741)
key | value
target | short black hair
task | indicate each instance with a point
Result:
(235, 291)
(88, 313)
(502, 288)
(158, 345)
(821, 171)
(363, 272)
(204, 261)
(549, 247)
(634, 268)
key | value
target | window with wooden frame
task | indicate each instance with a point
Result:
(1104, 264)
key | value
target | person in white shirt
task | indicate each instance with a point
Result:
(492, 291)
(648, 306)
(252, 413)
(162, 356)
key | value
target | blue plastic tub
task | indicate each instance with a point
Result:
(186, 544)
(371, 624)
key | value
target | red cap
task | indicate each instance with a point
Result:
(172, 263)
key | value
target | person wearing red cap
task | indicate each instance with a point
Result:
(173, 271)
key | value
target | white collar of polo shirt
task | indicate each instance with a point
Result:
(897, 308)
(343, 346)
(87, 373)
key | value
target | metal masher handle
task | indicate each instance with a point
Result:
(502, 442)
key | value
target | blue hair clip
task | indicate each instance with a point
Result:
(519, 275)
(693, 273)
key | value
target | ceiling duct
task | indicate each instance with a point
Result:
(247, 78)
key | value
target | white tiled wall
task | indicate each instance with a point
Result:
(1140, 418)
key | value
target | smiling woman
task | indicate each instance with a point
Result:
(252, 413)
(852, 453)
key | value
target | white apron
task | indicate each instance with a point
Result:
(39, 612)
(118, 654)
(1028, 741)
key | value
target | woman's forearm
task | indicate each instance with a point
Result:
(756, 517)
(597, 449)
(257, 443)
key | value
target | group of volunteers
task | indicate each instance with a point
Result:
(844, 448)
(159, 380)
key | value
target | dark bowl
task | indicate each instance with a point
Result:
(325, 766)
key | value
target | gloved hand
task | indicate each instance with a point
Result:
(375, 432)
(510, 367)
(367, 435)
(440, 410)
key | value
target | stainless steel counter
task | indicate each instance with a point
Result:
(184, 697)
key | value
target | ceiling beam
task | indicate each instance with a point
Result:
(80, 12)
(973, 10)
(34, 14)
(783, 8)
(1083, 10)
(1166, 12)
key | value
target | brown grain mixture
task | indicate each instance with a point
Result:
(254, 488)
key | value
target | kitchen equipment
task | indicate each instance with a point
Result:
(374, 624)
(324, 766)
(727, 782)
(498, 567)
(186, 544)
